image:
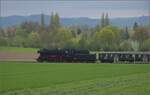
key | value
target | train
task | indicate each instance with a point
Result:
(83, 55)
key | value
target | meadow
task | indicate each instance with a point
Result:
(31, 78)
(18, 50)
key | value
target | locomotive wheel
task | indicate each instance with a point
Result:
(40, 60)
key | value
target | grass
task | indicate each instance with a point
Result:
(18, 49)
(28, 78)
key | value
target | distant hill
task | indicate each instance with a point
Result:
(121, 22)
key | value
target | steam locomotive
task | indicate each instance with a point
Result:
(66, 55)
(74, 55)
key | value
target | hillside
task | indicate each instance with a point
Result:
(121, 22)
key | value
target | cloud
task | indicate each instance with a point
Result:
(92, 9)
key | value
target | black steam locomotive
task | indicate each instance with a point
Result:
(66, 55)
(73, 55)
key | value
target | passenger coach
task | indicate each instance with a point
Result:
(132, 57)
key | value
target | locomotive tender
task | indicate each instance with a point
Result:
(73, 55)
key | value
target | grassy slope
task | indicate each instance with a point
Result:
(18, 49)
(74, 79)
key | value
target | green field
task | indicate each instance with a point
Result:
(18, 49)
(29, 78)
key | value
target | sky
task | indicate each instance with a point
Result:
(68, 9)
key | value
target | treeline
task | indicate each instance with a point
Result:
(103, 37)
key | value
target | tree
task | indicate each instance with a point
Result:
(83, 41)
(97, 28)
(135, 45)
(125, 33)
(106, 20)
(42, 22)
(145, 45)
(2, 33)
(3, 41)
(135, 26)
(63, 38)
(19, 41)
(34, 40)
(126, 46)
(103, 39)
(54, 22)
(79, 31)
(42, 33)
(57, 20)
(102, 21)
(51, 25)
(29, 26)
(72, 43)
(107, 39)
(141, 34)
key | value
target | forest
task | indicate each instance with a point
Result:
(103, 37)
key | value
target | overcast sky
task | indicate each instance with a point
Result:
(91, 9)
